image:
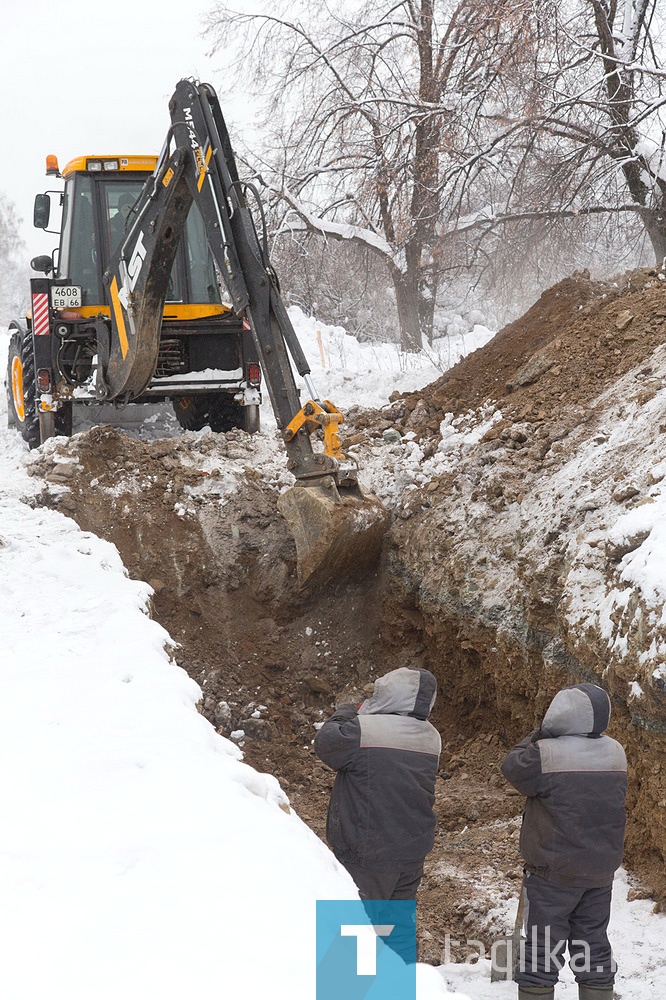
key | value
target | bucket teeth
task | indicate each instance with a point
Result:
(338, 535)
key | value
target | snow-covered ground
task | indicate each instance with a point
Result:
(139, 856)
(637, 937)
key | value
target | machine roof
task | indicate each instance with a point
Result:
(81, 163)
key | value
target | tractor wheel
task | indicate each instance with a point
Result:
(218, 410)
(64, 420)
(191, 411)
(56, 423)
(225, 413)
(21, 411)
(14, 372)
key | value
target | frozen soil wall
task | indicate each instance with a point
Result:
(534, 552)
(527, 551)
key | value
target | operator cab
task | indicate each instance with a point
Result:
(99, 198)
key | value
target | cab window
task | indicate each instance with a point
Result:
(87, 248)
(201, 278)
(78, 260)
(118, 198)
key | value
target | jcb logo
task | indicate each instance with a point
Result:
(133, 271)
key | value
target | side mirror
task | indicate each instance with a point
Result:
(43, 263)
(42, 211)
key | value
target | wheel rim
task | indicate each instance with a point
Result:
(17, 388)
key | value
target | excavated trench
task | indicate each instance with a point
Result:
(272, 663)
(490, 539)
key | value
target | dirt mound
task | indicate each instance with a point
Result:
(521, 546)
(578, 338)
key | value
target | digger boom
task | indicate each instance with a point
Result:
(337, 526)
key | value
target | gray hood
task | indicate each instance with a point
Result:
(405, 691)
(581, 710)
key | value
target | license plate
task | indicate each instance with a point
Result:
(65, 296)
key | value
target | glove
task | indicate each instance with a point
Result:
(346, 708)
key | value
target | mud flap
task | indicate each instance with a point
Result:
(46, 425)
(338, 535)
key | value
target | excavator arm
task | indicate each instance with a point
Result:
(337, 526)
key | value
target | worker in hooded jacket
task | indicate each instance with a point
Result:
(381, 823)
(572, 838)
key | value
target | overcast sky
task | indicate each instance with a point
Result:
(78, 78)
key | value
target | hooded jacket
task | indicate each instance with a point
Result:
(576, 782)
(386, 754)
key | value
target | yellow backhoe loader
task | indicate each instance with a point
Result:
(130, 309)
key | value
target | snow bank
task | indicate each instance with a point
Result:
(139, 856)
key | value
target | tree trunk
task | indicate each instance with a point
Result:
(622, 103)
(425, 204)
(415, 296)
(427, 300)
(407, 302)
(655, 227)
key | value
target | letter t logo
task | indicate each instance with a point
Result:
(366, 944)
(379, 962)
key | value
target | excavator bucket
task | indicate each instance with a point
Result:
(338, 535)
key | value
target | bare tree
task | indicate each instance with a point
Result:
(634, 134)
(340, 283)
(600, 130)
(453, 137)
(384, 119)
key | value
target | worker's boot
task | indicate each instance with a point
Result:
(536, 993)
(595, 991)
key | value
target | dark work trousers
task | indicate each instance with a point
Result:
(558, 917)
(373, 884)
